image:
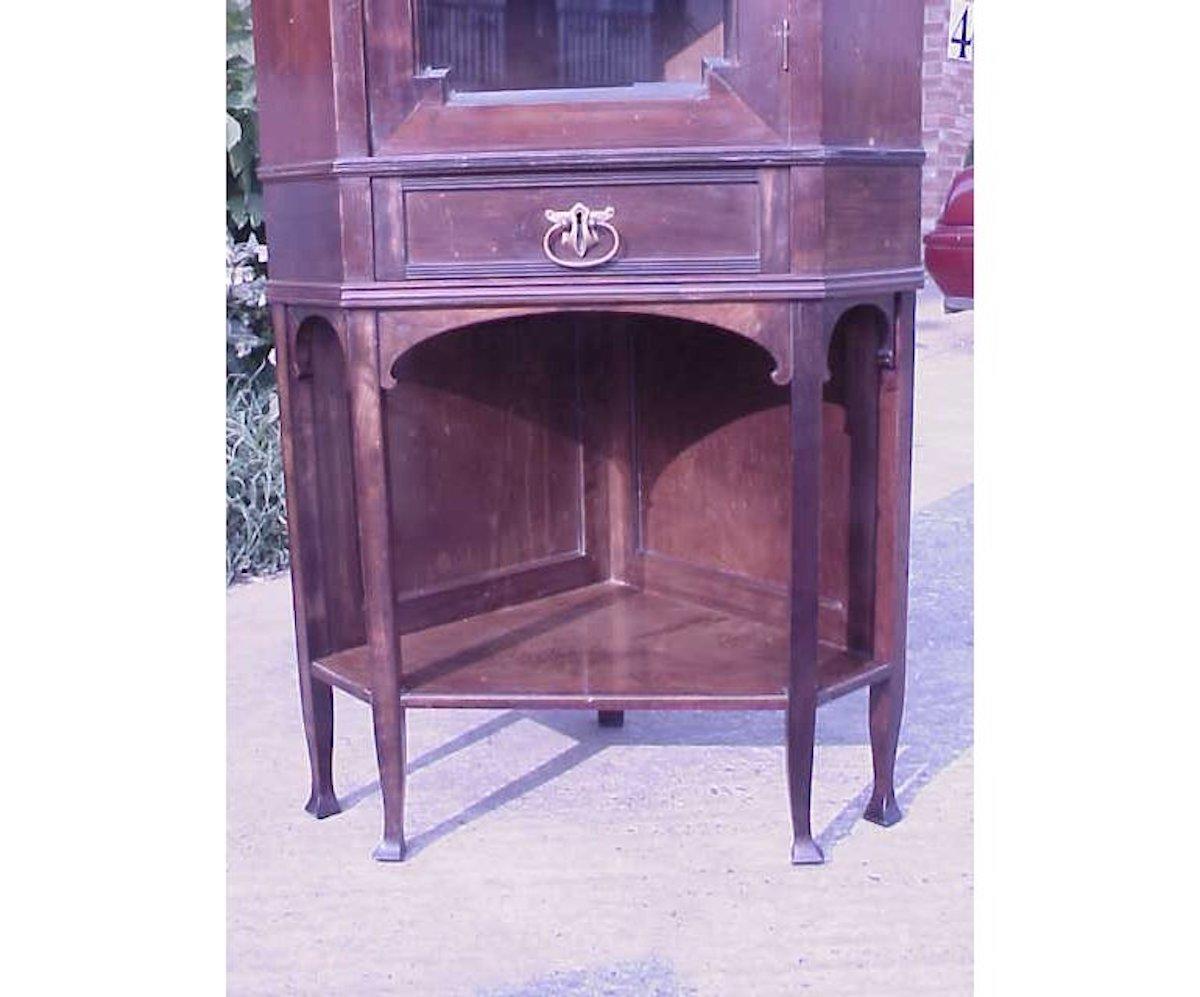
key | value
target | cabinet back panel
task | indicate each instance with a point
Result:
(483, 444)
(712, 445)
(714, 475)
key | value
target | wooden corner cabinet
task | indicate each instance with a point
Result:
(594, 329)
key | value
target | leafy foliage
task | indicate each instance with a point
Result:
(242, 190)
(247, 320)
(255, 515)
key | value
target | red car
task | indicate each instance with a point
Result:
(950, 247)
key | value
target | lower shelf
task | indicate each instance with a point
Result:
(604, 646)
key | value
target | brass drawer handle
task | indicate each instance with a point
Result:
(577, 226)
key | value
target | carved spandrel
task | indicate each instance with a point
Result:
(818, 321)
(298, 319)
(766, 324)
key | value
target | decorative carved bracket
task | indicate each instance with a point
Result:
(887, 345)
(767, 324)
(829, 313)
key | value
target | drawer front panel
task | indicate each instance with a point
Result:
(708, 225)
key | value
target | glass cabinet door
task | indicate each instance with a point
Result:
(494, 45)
(510, 75)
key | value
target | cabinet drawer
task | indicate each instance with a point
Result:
(509, 227)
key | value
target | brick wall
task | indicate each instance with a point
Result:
(947, 115)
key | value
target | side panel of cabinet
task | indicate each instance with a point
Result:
(321, 490)
(305, 229)
(855, 218)
(294, 68)
(871, 72)
(485, 457)
(872, 217)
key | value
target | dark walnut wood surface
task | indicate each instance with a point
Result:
(606, 645)
(595, 337)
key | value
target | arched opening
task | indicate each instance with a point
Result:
(849, 480)
(598, 505)
(532, 454)
(541, 453)
(484, 437)
(324, 475)
(712, 445)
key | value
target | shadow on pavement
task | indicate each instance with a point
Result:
(938, 707)
(650, 978)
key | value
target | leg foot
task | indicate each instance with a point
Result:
(806, 852)
(317, 702)
(886, 708)
(323, 804)
(611, 718)
(389, 850)
(390, 750)
(801, 723)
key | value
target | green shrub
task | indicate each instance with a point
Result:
(255, 515)
(248, 337)
(243, 192)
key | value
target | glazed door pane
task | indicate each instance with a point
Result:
(492, 45)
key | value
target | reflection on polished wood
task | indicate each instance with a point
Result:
(606, 645)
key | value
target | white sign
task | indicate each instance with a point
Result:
(962, 31)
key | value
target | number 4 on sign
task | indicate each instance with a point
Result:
(962, 31)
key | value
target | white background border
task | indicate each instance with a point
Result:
(1086, 338)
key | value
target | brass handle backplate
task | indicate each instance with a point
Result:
(576, 228)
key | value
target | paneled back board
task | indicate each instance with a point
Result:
(595, 331)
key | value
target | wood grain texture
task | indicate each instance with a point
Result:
(712, 448)
(606, 645)
(327, 485)
(496, 231)
(293, 53)
(868, 215)
(485, 458)
(306, 231)
(871, 71)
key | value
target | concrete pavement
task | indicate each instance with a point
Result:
(553, 857)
